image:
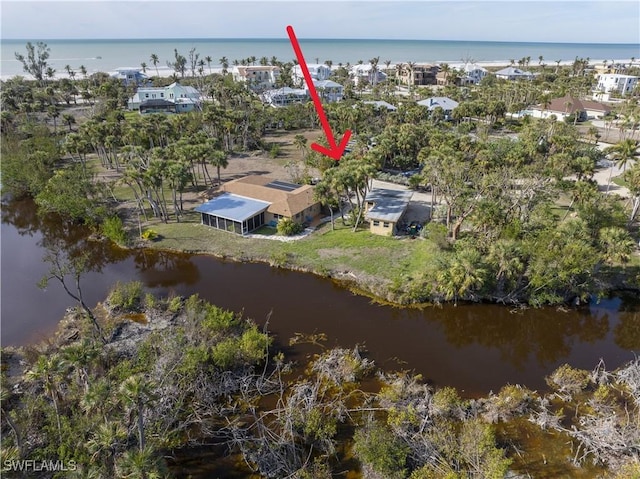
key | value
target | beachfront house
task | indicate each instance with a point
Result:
(447, 105)
(318, 71)
(284, 96)
(367, 74)
(514, 74)
(250, 202)
(417, 74)
(175, 98)
(129, 76)
(257, 77)
(384, 209)
(616, 84)
(471, 73)
(568, 106)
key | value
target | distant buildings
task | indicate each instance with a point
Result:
(512, 74)
(567, 106)
(175, 98)
(618, 84)
(366, 73)
(418, 74)
(328, 91)
(447, 105)
(317, 71)
(257, 77)
(472, 74)
(129, 76)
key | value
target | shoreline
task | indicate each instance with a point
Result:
(166, 72)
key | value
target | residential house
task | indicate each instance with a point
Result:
(175, 98)
(384, 209)
(608, 83)
(447, 105)
(568, 106)
(512, 74)
(379, 104)
(367, 74)
(329, 90)
(471, 73)
(129, 76)
(285, 96)
(417, 74)
(252, 201)
(257, 77)
(318, 71)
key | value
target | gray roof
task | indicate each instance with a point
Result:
(380, 104)
(233, 207)
(447, 104)
(512, 71)
(388, 205)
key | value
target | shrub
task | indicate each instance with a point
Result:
(569, 380)
(274, 151)
(113, 229)
(149, 235)
(436, 232)
(380, 451)
(288, 227)
(126, 296)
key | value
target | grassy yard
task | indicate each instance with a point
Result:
(373, 262)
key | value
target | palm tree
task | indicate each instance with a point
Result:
(137, 393)
(623, 152)
(144, 67)
(50, 371)
(218, 158)
(68, 119)
(104, 444)
(208, 59)
(617, 244)
(300, 142)
(155, 60)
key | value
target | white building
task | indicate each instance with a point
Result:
(366, 72)
(285, 96)
(175, 98)
(472, 73)
(614, 82)
(328, 90)
(318, 71)
(257, 77)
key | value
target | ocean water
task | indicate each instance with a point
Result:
(106, 55)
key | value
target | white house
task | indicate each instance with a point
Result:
(566, 106)
(257, 77)
(613, 82)
(318, 71)
(447, 104)
(129, 76)
(285, 96)
(328, 90)
(512, 73)
(366, 72)
(175, 98)
(472, 73)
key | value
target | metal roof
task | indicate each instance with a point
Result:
(388, 205)
(233, 207)
(447, 104)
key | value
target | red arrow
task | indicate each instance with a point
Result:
(334, 151)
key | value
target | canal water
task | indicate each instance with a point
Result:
(475, 348)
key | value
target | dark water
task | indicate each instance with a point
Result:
(476, 348)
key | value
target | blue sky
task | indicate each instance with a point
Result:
(581, 21)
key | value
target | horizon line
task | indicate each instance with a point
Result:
(284, 39)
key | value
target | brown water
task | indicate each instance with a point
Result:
(476, 348)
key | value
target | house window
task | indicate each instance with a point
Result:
(161, 95)
(276, 216)
(146, 95)
(385, 225)
(376, 223)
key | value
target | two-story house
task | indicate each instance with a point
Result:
(318, 71)
(618, 84)
(257, 77)
(175, 98)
